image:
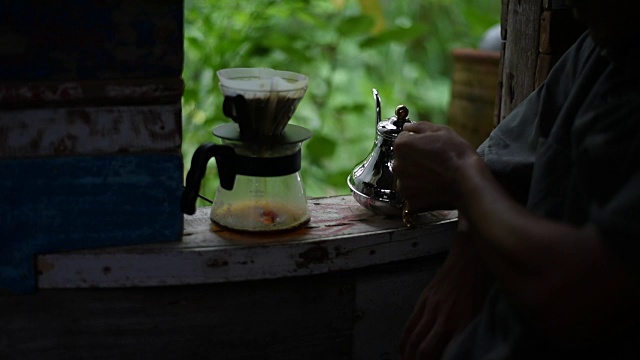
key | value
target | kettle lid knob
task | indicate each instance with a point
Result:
(391, 127)
(402, 116)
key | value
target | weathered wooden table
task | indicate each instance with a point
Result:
(340, 288)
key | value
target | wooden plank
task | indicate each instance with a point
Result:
(79, 40)
(521, 53)
(90, 93)
(554, 4)
(558, 31)
(90, 130)
(545, 32)
(545, 64)
(499, 88)
(338, 315)
(504, 24)
(290, 319)
(69, 203)
(341, 313)
(341, 235)
(504, 16)
(380, 318)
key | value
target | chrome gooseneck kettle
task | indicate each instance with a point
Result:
(372, 181)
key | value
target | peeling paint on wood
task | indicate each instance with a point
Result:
(316, 254)
(341, 235)
(90, 131)
(91, 92)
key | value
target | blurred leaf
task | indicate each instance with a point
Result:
(373, 8)
(478, 20)
(356, 25)
(320, 147)
(400, 35)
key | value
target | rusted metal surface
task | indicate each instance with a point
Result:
(90, 130)
(341, 235)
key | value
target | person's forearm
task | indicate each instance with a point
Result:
(548, 267)
(526, 243)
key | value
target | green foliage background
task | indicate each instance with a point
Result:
(346, 47)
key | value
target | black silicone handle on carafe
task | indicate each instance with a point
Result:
(224, 156)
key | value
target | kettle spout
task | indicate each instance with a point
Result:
(376, 97)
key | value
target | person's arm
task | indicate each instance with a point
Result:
(448, 304)
(561, 276)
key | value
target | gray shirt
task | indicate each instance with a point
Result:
(571, 153)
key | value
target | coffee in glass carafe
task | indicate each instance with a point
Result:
(259, 159)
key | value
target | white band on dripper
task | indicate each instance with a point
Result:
(258, 82)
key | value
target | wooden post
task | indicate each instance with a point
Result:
(535, 35)
(558, 31)
(503, 44)
(90, 128)
(521, 53)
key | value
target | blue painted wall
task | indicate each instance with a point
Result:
(69, 203)
(62, 60)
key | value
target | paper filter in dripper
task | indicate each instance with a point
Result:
(261, 100)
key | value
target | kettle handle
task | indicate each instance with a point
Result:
(376, 97)
(224, 155)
